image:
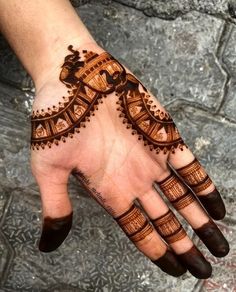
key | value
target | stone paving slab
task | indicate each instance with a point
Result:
(225, 9)
(174, 59)
(229, 58)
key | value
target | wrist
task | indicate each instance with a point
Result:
(48, 67)
(50, 90)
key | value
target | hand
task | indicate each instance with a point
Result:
(94, 119)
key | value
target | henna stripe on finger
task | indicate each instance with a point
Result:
(183, 201)
(134, 224)
(169, 227)
(176, 192)
(197, 179)
(195, 176)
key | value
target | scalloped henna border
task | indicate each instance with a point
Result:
(74, 129)
(121, 91)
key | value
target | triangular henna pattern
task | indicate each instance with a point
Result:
(89, 80)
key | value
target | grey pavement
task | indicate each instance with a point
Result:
(184, 51)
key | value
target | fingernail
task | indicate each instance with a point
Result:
(214, 205)
(54, 232)
(169, 264)
(195, 262)
(213, 238)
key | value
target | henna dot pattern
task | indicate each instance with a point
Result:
(91, 77)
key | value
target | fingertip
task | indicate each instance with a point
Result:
(213, 238)
(214, 205)
(54, 232)
(195, 262)
(170, 264)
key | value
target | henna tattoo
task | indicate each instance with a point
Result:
(134, 224)
(183, 201)
(146, 121)
(84, 180)
(195, 176)
(89, 78)
(176, 192)
(169, 227)
(213, 238)
(54, 232)
(195, 262)
(170, 264)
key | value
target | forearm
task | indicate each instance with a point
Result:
(40, 31)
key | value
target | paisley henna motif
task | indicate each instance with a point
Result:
(169, 227)
(89, 78)
(134, 224)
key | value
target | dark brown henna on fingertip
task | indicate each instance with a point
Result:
(176, 192)
(135, 225)
(214, 204)
(170, 264)
(90, 77)
(195, 262)
(54, 232)
(213, 238)
(197, 179)
(169, 227)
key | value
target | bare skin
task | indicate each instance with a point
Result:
(112, 164)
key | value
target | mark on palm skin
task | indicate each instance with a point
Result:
(91, 79)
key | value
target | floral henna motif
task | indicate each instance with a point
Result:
(176, 192)
(89, 78)
(169, 227)
(134, 224)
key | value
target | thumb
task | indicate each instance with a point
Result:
(57, 209)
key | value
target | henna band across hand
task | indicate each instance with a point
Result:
(169, 227)
(195, 176)
(89, 77)
(134, 224)
(176, 192)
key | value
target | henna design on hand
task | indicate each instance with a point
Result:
(195, 176)
(169, 227)
(89, 79)
(134, 224)
(176, 192)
